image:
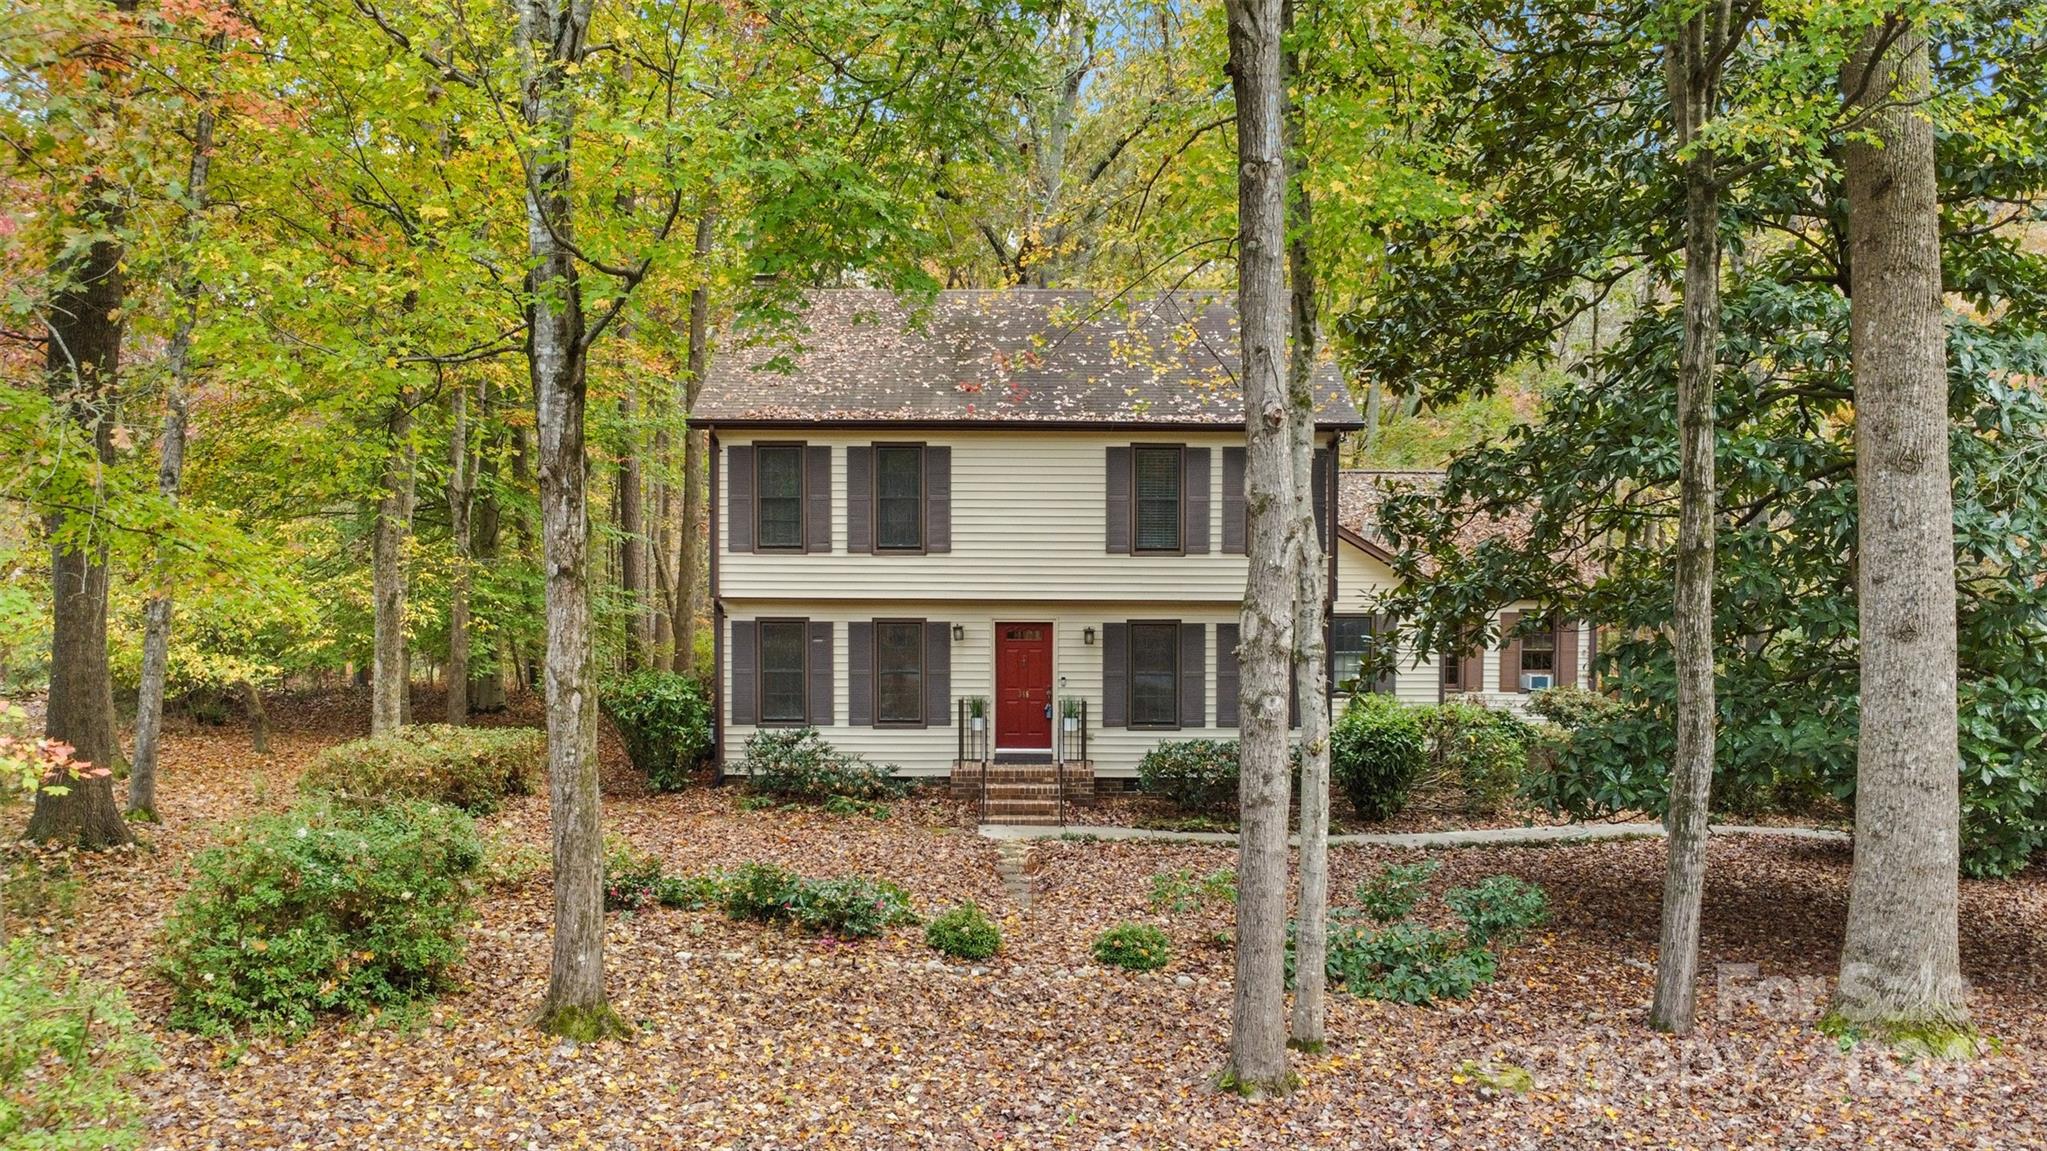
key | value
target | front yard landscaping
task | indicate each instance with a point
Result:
(754, 1026)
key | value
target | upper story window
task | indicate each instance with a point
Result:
(899, 497)
(899, 671)
(778, 484)
(1156, 498)
(783, 670)
(1155, 674)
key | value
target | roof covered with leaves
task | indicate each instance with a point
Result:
(1016, 356)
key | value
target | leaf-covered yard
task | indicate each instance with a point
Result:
(748, 1037)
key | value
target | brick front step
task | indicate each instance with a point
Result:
(1026, 793)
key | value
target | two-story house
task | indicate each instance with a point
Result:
(1008, 528)
(1000, 528)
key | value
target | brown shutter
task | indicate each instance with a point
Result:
(1567, 653)
(817, 504)
(1321, 473)
(1382, 683)
(1510, 652)
(937, 499)
(1226, 673)
(1116, 513)
(1194, 500)
(1233, 502)
(860, 500)
(739, 498)
(1471, 667)
(860, 674)
(1591, 680)
(820, 674)
(1116, 675)
(1194, 674)
(745, 692)
(937, 673)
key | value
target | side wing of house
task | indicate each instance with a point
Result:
(1504, 674)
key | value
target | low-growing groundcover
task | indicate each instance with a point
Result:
(473, 768)
(1397, 958)
(327, 907)
(70, 1051)
(1133, 947)
(850, 907)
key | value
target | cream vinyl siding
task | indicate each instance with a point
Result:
(1028, 513)
(1360, 580)
(1076, 672)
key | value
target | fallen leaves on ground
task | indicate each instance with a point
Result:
(755, 1038)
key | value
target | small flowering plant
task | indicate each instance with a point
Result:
(29, 764)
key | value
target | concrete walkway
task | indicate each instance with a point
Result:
(1476, 837)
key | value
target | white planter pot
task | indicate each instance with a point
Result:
(1072, 723)
(977, 722)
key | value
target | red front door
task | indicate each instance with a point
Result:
(1023, 686)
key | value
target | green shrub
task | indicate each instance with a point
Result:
(964, 932)
(690, 892)
(665, 720)
(1572, 707)
(854, 907)
(759, 891)
(1406, 963)
(1133, 947)
(632, 878)
(1196, 774)
(1376, 752)
(68, 1047)
(509, 862)
(473, 768)
(1500, 910)
(1480, 751)
(800, 764)
(326, 907)
(1179, 891)
(1396, 890)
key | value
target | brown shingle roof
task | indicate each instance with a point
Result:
(1361, 492)
(1056, 358)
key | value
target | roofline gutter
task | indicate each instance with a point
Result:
(1364, 545)
(1002, 425)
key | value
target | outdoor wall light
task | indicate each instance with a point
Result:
(959, 632)
(1087, 636)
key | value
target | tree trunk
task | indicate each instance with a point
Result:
(551, 42)
(1258, 1059)
(696, 450)
(82, 362)
(632, 547)
(461, 483)
(1900, 963)
(1693, 78)
(388, 671)
(259, 720)
(156, 629)
(1311, 584)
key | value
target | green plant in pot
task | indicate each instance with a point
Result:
(1069, 714)
(977, 712)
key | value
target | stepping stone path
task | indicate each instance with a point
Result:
(1012, 864)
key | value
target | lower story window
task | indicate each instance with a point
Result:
(1154, 675)
(783, 670)
(1350, 646)
(899, 671)
(1539, 658)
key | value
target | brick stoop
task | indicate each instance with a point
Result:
(1026, 794)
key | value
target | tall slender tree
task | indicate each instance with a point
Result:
(390, 672)
(1311, 575)
(1693, 63)
(1258, 1059)
(170, 470)
(1900, 960)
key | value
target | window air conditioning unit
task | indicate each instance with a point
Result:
(1535, 681)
